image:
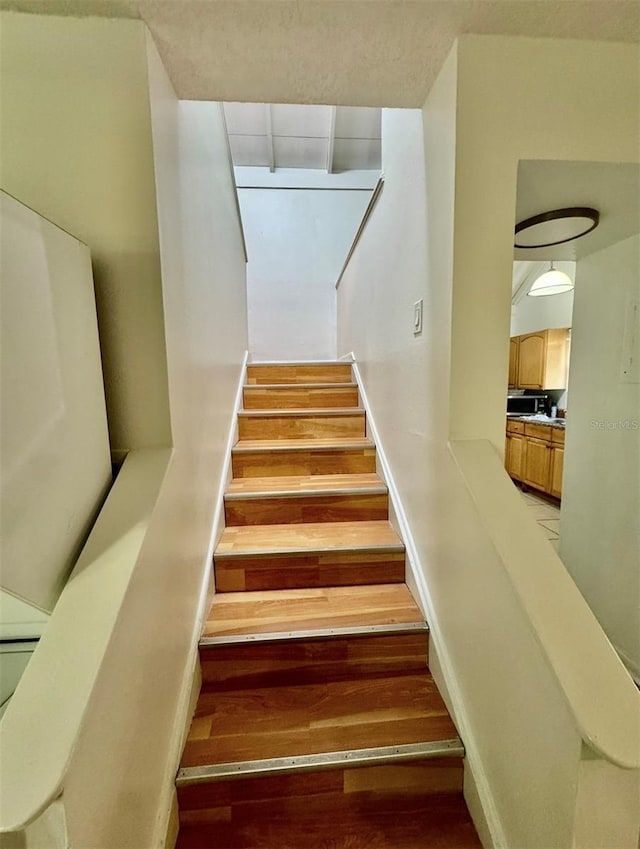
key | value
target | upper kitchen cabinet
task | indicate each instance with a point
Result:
(541, 359)
(513, 362)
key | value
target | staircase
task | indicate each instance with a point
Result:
(318, 723)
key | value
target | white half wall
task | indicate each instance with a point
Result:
(119, 788)
(297, 242)
(55, 467)
(600, 518)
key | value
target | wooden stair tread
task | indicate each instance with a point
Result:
(272, 611)
(249, 724)
(303, 484)
(311, 537)
(338, 443)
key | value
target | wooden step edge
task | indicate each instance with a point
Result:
(387, 629)
(302, 551)
(306, 445)
(326, 760)
(304, 386)
(304, 412)
(377, 489)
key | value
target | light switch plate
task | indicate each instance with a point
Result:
(417, 318)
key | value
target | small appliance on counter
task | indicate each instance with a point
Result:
(526, 405)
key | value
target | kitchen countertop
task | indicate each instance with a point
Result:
(541, 420)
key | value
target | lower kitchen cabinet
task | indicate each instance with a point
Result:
(537, 463)
(514, 455)
(555, 472)
(534, 455)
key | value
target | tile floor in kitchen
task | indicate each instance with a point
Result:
(546, 514)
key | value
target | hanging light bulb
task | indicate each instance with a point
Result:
(552, 282)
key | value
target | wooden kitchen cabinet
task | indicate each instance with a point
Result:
(537, 463)
(555, 471)
(515, 450)
(534, 455)
(540, 360)
(513, 362)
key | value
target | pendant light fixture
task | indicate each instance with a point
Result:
(552, 282)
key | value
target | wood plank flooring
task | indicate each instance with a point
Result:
(339, 455)
(410, 806)
(290, 396)
(301, 424)
(245, 724)
(306, 609)
(299, 373)
(314, 648)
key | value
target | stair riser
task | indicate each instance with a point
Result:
(301, 427)
(312, 508)
(329, 569)
(329, 373)
(246, 800)
(307, 660)
(297, 399)
(333, 462)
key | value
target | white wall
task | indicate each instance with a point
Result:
(442, 230)
(600, 518)
(136, 738)
(54, 459)
(76, 147)
(118, 789)
(405, 254)
(297, 241)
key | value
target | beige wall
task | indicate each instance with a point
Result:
(470, 604)
(582, 103)
(600, 519)
(54, 459)
(135, 737)
(450, 383)
(76, 147)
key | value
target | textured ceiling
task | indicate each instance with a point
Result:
(367, 53)
(283, 135)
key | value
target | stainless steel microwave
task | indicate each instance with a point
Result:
(527, 405)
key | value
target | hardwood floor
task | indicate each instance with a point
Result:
(299, 373)
(264, 458)
(289, 396)
(252, 723)
(416, 805)
(305, 609)
(301, 424)
(314, 657)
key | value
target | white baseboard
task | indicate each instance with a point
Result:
(168, 824)
(477, 790)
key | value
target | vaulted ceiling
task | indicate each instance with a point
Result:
(331, 138)
(376, 53)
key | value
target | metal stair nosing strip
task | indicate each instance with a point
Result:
(354, 445)
(387, 548)
(303, 412)
(296, 386)
(317, 634)
(325, 760)
(306, 493)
